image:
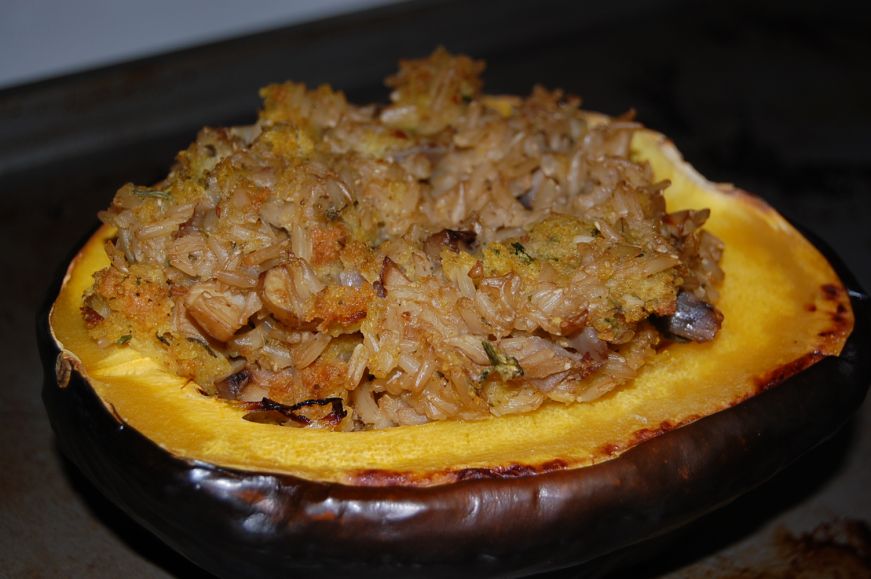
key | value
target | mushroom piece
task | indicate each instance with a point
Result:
(220, 311)
(693, 319)
(230, 387)
(287, 290)
(456, 241)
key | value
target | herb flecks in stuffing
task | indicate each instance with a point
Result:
(506, 366)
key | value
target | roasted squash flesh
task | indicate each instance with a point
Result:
(784, 309)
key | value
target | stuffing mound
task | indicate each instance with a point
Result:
(449, 255)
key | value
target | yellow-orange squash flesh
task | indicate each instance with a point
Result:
(784, 309)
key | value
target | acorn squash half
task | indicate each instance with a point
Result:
(513, 495)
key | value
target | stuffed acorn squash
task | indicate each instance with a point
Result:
(509, 493)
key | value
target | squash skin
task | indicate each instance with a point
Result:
(240, 524)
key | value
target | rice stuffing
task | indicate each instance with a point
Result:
(449, 255)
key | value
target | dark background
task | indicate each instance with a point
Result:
(772, 97)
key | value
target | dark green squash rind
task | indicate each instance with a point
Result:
(239, 524)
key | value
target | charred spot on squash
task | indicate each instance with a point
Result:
(384, 478)
(777, 375)
(832, 292)
(510, 471)
(836, 303)
(840, 316)
(643, 434)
